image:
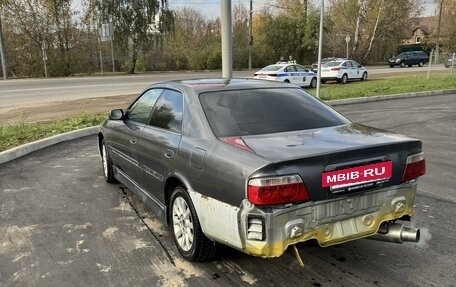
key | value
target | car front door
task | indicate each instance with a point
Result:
(304, 78)
(124, 138)
(293, 75)
(159, 142)
(357, 72)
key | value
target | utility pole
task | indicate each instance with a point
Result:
(306, 4)
(438, 34)
(347, 40)
(250, 35)
(111, 32)
(43, 48)
(227, 40)
(2, 51)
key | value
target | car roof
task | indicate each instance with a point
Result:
(410, 52)
(281, 65)
(218, 84)
(276, 66)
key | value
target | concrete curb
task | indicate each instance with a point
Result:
(25, 149)
(388, 97)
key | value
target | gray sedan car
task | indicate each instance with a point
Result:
(259, 166)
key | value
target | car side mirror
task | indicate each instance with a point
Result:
(360, 66)
(116, 114)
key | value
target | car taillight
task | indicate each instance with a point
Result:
(335, 69)
(415, 167)
(277, 190)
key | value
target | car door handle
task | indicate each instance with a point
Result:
(169, 153)
(133, 140)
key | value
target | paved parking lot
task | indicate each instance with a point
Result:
(62, 225)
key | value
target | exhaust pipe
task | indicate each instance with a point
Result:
(397, 233)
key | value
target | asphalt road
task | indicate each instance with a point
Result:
(62, 225)
(35, 91)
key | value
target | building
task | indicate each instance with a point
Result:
(421, 31)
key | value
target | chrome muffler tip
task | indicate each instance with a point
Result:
(397, 233)
(410, 234)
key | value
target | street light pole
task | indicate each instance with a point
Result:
(227, 41)
(320, 48)
(250, 35)
(2, 52)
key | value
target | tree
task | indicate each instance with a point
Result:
(448, 28)
(191, 42)
(378, 26)
(42, 28)
(288, 28)
(132, 21)
(240, 36)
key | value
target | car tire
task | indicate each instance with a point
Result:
(108, 171)
(344, 79)
(364, 77)
(402, 65)
(313, 83)
(323, 81)
(190, 240)
(420, 64)
(391, 66)
(287, 81)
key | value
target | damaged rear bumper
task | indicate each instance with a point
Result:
(267, 232)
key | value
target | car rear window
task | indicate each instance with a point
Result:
(271, 68)
(263, 111)
(332, 63)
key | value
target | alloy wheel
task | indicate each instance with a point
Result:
(182, 224)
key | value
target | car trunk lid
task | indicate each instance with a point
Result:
(311, 153)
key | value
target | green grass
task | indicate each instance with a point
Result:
(376, 87)
(12, 135)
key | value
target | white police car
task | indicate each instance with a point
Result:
(288, 73)
(342, 71)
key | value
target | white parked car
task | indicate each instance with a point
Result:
(288, 73)
(343, 70)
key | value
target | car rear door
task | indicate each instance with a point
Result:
(159, 142)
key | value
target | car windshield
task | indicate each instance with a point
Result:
(263, 111)
(332, 63)
(271, 68)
